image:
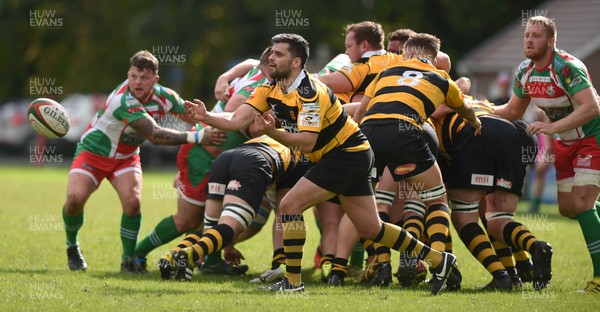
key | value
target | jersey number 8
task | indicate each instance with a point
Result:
(410, 78)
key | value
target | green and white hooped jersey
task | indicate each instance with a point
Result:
(109, 133)
(552, 90)
(244, 86)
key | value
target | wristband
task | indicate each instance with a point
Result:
(195, 136)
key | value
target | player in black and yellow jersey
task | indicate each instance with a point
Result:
(316, 124)
(238, 179)
(475, 165)
(394, 108)
(364, 46)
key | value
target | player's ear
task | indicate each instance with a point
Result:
(156, 78)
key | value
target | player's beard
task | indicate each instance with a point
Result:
(536, 54)
(279, 73)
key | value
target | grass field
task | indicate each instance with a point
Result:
(34, 275)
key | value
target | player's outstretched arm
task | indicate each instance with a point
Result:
(241, 118)
(151, 131)
(514, 109)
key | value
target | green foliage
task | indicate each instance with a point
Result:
(89, 51)
(34, 273)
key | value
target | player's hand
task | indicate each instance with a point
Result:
(222, 90)
(264, 125)
(477, 125)
(232, 256)
(196, 110)
(213, 136)
(538, 127)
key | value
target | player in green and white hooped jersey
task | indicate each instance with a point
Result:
(109, 149)
(194, 162)
(560, 85)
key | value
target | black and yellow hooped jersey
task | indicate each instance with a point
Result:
(311, 107)
(410, 91)
(363, 71)
(284, 158)
(449, 125)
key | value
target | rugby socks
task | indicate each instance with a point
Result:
(130, 229)
(399, 239)
(516, 235)
(437, 224)
(367, 245)
(278, 258)
(383, 252)
(212, 259)
(189, 240)
(328, 258)
(448, 246)
(212, 240)
(415, 223)
(480, 247)
(598, 208)
(72, 226)
(504, 252)
(590, 223)
(294, 237)
(164, 232)
(339, 267)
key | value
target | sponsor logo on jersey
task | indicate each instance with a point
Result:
(584, 161)
(482, 179)
(575, 81)
(542, 79)
(216, 188)
(405, 169)
(309, 120)
(234, 185)
(551, 90)
(310, 107)
(131, 102)
(504, 183)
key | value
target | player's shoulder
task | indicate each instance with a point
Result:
(563, 59)
(167, 92)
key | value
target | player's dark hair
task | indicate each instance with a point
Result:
(144, 60)
(298, 46)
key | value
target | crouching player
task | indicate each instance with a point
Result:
(239, 178)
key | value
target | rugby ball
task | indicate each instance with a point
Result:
(48, 118)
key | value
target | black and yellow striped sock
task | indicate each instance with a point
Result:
(368, 246)
(437, 224)
(516, 235)
(339, 267)
(503, 251)
(399, 239)
(212, 240)
(294, 237)
(383, 252)
(480, 247)
(189, 240)
(328, 258)
(414, 223)
(278, 258)
(449, 242)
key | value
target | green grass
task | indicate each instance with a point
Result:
(34, 275)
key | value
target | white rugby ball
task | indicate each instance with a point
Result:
(48, 118)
